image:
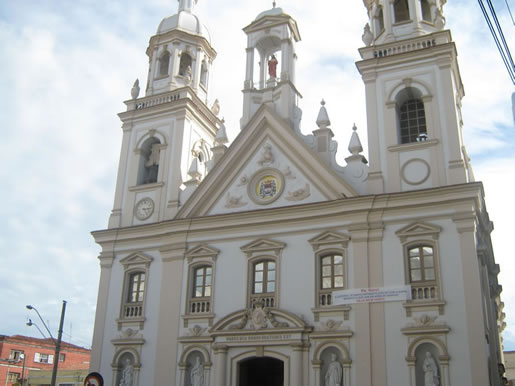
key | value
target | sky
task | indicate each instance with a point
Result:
(66, 67)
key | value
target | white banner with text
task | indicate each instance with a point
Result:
(372, 295)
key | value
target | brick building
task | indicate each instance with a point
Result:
(21, 354)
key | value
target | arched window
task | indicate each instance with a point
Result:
(149, 161)
(185, 64)
(401, 10)
(426, 10)
(411, 116)
(164, 63)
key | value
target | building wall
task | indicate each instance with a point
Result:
(75, 357)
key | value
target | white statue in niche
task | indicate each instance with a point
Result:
(197, 373)
(430, 371)
(127, 373)
(334, 374)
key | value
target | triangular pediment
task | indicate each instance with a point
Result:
(418, 229)
(270, 21)
(137, 258)
(201, 251)
(262, 245)
(267, 166)
(329, 238)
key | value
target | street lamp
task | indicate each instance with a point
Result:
(57, 343)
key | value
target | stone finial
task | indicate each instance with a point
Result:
(135, 90)
(323, 119)
(355, 144)
(221, 135)
(439, 19)
(193, 171)
(215, 109)
(367, 36)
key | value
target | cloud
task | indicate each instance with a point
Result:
(69, 66)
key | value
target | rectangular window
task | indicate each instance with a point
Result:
(43, 358)
(62, 357)
(16, 355)
(13, 377)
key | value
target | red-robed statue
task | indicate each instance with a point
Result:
(272, 67)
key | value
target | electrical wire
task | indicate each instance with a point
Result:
(496, 20)
(506, 56)
(509, 10)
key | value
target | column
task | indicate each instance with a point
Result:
(286, 60)
(106, 264)
(296, 364)
(477, 355)
(363, 368)
(168, 324)
(116, 213)
(249, 76)
(220, 351)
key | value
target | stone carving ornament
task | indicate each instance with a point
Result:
(430, 371)
(234, 202)
(267, 158)
(127, 373)
(334, 374)
(299, 194)
(259, 318)
(197, 373)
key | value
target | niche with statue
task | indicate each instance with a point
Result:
(427, 367)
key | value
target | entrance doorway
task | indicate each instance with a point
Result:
(264, 371)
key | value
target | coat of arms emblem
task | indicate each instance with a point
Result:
(267, 187)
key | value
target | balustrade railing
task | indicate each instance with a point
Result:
(200, 306)
(133, 310)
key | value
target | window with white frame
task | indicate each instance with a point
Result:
(201, 291)
(16, 355)
(201, 280)
(421, 262)
(43, 358)
(135, 293)
(263, 262)
(136, 268)
(331, 276)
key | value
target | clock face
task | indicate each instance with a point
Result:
(144, 208)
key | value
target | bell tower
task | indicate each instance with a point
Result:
(413, 95)
(171, 130)
(270, 71)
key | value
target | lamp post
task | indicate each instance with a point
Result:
(57, 343)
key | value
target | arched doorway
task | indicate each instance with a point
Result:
(261, 371)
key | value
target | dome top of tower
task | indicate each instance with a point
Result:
(185, 20)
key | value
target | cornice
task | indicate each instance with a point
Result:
(363, 213)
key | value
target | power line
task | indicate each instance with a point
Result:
(509, 10)
(501, 46)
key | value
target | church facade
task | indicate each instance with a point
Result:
(266, 262)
